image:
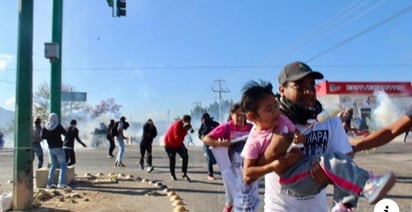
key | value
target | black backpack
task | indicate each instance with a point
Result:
(114, 129)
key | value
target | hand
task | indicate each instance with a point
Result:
(299, 138)
(318, 175)
(294, 155)
(187, 126)
(225, 143)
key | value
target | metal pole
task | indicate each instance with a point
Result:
(23, 168)
(56, 65)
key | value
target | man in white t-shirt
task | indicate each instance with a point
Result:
(298, 102)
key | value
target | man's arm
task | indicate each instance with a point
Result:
(383, 135)
(277, 148)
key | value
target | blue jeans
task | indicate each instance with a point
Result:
(210, 159)
(58, 157)
(39, 152)
(119, 157)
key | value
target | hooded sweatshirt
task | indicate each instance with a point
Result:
(53, 131)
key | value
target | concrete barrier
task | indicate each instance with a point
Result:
(43, 173)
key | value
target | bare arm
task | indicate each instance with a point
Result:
(209, 140)
(253, 172)
(383, 135)
(273, 159)
(277, 148)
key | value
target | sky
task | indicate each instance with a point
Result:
(167, 56)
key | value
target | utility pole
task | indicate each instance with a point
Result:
(56, 65)
(220, 91)
(23, 166)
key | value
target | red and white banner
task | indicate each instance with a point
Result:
(326, 87)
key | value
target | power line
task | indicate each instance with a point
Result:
(325, 26)
(340, 26)
(390, 18)
(201, 67)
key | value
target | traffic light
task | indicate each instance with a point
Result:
(121, 8)
(110, 3)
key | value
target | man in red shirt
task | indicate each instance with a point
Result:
(173, 142)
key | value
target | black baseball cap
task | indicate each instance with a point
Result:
(296, 71)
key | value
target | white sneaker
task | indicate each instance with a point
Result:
(149, 169)
(340, 207)
(51, 186)
(63, 186)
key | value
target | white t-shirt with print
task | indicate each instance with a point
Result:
(328, 136)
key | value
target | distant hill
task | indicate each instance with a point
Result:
(6, 117)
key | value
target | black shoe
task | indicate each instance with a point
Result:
(184, 176)
(141, 164)
(173, 177)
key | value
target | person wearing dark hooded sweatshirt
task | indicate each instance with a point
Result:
(36, 141)
(149, 133)
(68, 146)
(52, 133)
(208, 124)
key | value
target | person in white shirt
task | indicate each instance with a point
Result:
(297, 101)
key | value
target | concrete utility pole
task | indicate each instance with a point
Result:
(220, 91)
(23, 168)
(56, 65)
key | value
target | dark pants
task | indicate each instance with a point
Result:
(111, 145)
(210, 159)
(70, 156)
(39, 152)
(146, 146)
(171, 153)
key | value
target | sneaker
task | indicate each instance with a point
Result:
(340, 207)
(227, 208)
(63, 186)
(51, 186)
(377, 186)
(120, 164)
(173, 177)
(109, 156)
(141, 164)
(149, 169)
(210, 177)
(184, 176)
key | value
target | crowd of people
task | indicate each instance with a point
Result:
(275, 136)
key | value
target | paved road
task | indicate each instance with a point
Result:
(204, 195)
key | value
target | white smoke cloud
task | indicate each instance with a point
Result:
(10, 103)
(385, 113)
(5, 60)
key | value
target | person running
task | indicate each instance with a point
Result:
(173, 143)
(208, 124)
(349, 180)
(110, 138)
(36, 141)
(68, 145)
(52, 133)
(227, 141)
(149, 133)
(297, 101)
(118, 131)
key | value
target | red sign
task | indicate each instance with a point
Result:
(326, 87)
